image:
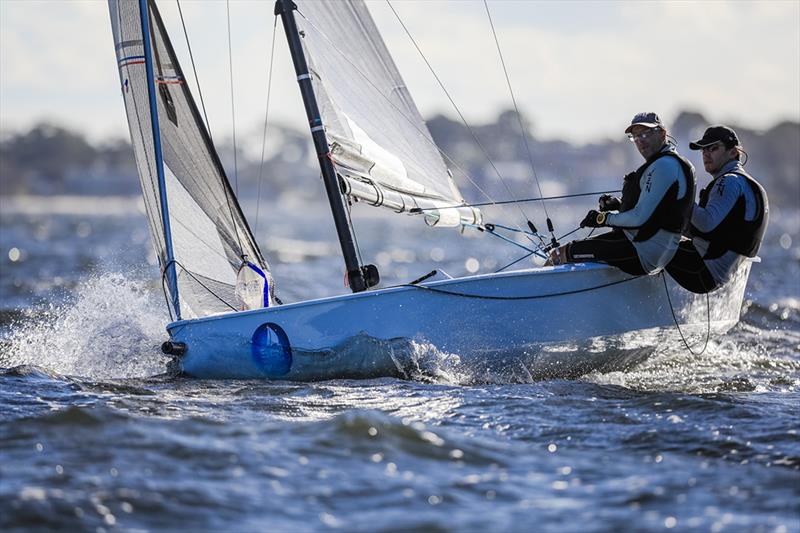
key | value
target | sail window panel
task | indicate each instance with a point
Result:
(363, 99)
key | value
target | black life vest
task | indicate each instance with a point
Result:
(734, 233)
(671, 214)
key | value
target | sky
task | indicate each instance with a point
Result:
(579, 70)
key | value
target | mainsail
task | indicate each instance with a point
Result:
(379, 142)
(210, 243)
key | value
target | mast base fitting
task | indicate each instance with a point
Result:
(371, 275)
(173, 348)
(364, 278)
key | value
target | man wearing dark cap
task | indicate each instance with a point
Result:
(729, 222)
(654, 210)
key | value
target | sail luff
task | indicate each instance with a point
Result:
(356, 278)
(169, 267)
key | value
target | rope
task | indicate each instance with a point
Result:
(677, 326)
(511, 241)
(458, 111)
(266, 122)
(519, 118)
(233, 106)
(504, 298)
(503, 202)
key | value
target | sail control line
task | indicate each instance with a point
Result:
(358, 277)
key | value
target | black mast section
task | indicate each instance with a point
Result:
(361, 278)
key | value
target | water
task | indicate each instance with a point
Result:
(96, 434)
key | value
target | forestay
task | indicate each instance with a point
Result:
(211, 241)
(379, 142)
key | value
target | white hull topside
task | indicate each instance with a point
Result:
(552, 321)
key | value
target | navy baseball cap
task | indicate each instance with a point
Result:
(715, 134)
(647, 119)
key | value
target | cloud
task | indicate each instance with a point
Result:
(578, 69)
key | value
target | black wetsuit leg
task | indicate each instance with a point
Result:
(613, 248)
(689, 270)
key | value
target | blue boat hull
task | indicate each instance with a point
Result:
(560, 321)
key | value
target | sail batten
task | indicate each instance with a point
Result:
(375, 130)
(209, 238)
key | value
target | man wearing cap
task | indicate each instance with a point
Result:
(729, 222)
(648, 220)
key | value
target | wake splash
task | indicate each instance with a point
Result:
(760, 354)
(110, 327)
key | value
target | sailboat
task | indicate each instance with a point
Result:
(374, 149)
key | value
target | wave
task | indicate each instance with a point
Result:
(381, 436)
(747, 359)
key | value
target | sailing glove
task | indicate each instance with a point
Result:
(609, 203)
(594, 219)
(704, 193)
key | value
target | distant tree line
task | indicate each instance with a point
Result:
(49, 159)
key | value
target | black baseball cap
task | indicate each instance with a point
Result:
(647, 119)
(715, 134)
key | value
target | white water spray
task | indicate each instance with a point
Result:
(111, 327)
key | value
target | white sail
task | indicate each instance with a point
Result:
(211, 242)
(379, 142)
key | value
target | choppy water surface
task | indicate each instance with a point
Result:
(95, 434)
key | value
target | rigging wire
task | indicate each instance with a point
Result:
(266, 122)
(537, 251)
(194, 70)
(458, 111)
(233, 106)
(521, 126)
(512, 241)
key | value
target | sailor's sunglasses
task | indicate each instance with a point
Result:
(633, 137)
(710, 149)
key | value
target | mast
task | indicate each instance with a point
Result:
(172, 277)
(360, 278)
